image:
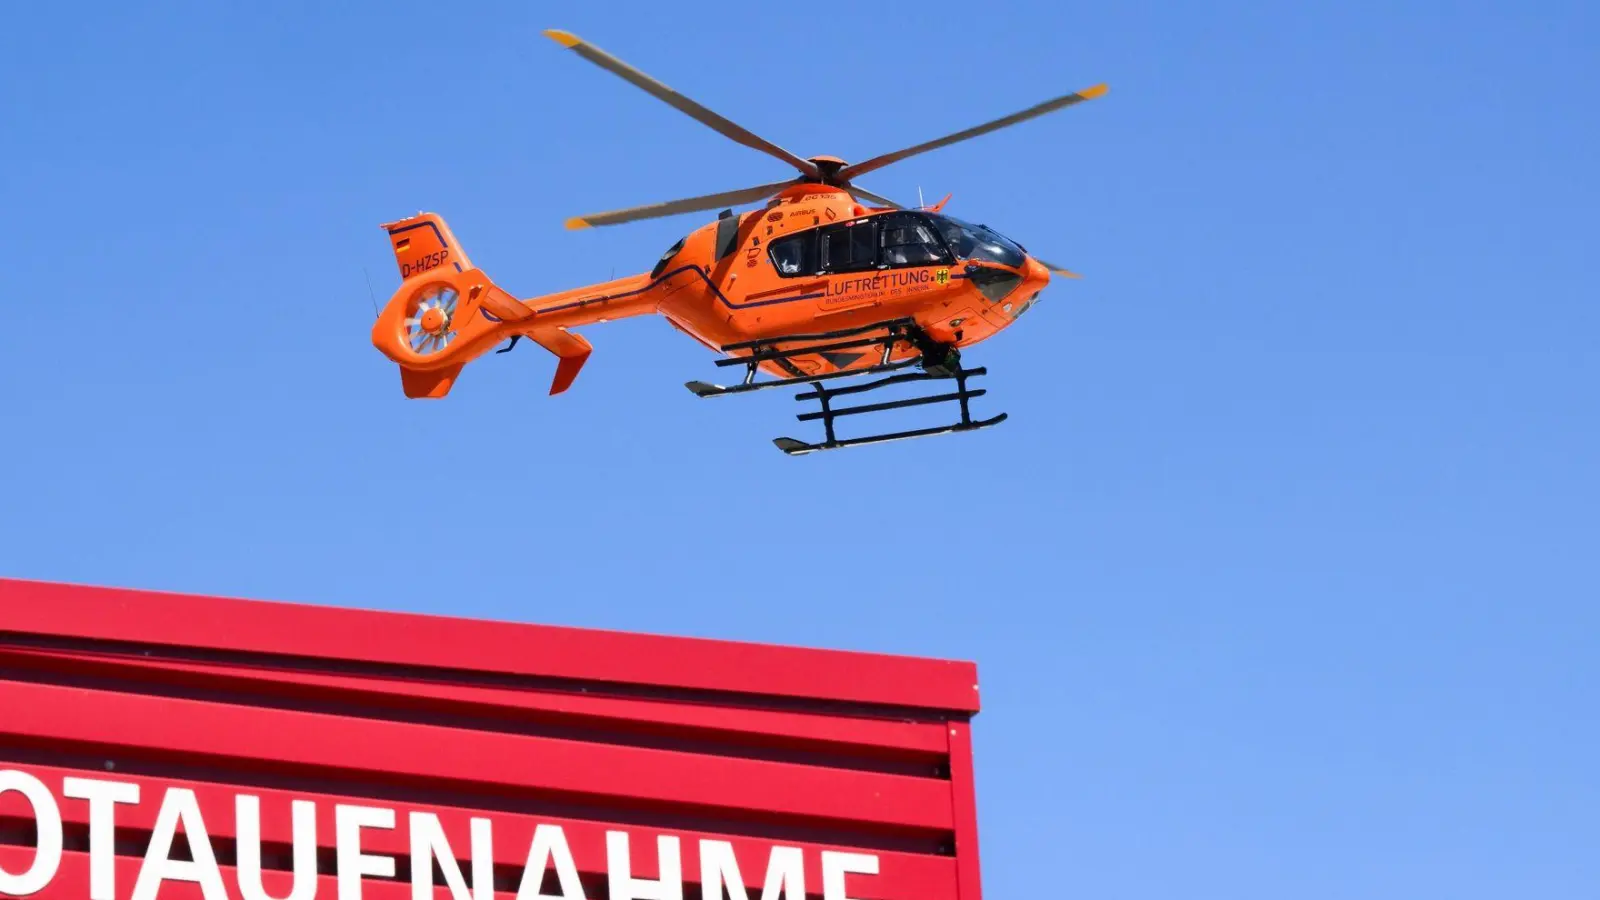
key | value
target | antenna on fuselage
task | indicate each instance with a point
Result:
(920, 204)
(375, 313)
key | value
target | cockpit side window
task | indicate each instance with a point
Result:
(910, 240)
(978, 242)
(959, 239)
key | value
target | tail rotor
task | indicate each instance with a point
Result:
(430, 323)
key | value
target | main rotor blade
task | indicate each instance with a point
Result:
(678, 101)
(878, 162)
(674, 207)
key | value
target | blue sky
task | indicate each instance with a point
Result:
(1281, 578)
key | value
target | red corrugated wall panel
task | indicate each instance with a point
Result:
(650, 768)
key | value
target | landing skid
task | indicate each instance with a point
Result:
(936, 360)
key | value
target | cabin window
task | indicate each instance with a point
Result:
(795, 255)
(850, 247)
(910, 240)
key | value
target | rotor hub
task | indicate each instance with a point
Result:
(434, 320)
(428, 328)
(828, 168)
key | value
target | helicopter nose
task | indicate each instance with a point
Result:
(1035, 276)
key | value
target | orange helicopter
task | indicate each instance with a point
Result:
(826, 281)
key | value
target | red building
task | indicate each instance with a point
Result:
(158, 745)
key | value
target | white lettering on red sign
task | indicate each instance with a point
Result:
(103, 797)
(303, 826)
(47, 818)
(785, 877)
(549, 846)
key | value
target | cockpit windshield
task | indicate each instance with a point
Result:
(978, 241)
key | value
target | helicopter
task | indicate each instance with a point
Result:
(825, 281)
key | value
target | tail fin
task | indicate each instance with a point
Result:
(432, 384)
(447, 313)
(423, 243)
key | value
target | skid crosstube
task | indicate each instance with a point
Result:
(828, 413)
(937, 361)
